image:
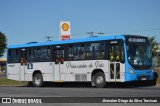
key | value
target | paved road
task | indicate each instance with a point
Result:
(86, 91)
(79, 92)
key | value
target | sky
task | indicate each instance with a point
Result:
(25, 21)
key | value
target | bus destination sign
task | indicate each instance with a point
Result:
(141, 40)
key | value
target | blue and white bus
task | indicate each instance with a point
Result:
(121, 58)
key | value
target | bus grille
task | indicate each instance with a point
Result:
(140, 77)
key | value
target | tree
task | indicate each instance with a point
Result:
(154, 44)
(3, 43)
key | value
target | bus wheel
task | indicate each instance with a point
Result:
(38, 80)
(99, 80)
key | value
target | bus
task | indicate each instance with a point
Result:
(120, 58)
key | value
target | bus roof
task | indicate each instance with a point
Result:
(67, 41)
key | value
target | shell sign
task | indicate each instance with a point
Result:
(65, 27)
(65, 30)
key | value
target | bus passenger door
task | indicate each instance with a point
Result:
(23, 64)
(116, 67)
(59, 62)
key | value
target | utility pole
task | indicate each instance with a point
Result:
(90, 33)
(48, 38)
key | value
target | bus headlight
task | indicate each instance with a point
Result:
(131, 71)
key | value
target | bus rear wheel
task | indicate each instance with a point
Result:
(99, 80)
(38, 80)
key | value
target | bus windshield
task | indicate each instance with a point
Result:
(139, 55)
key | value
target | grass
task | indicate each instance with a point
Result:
(8, 82)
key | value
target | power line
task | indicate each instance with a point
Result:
(94, 34)
(144, 30)
(100, 33)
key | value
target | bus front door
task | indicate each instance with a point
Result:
(115, 65)
(23, 64)
(59, 62)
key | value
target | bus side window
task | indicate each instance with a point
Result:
(82, 52)
(62, 56)
(31, 56)
(9, 55)
(70, 52)
(43, 54)
(122, 53)
(98, 50)
(13, 56)
(23, 58)
(111, 54)
(95, 50)
(48, 57)
(79, 52)
(89, 52)
(102, 51)
(56, 54)
(117, 53)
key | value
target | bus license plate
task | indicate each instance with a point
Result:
(143, 78)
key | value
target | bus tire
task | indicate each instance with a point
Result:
(99, 80)
(38, 80)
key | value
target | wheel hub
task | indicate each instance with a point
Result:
(100, 80)
(37, 80)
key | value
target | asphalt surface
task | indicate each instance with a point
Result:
(80, 91)
(11, 91)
